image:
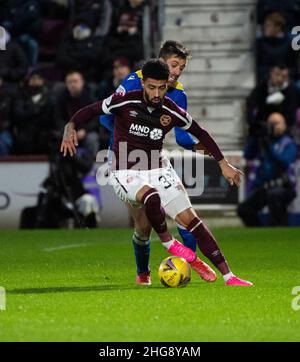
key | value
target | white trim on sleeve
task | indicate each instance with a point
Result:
(104, 106)
(121, 104)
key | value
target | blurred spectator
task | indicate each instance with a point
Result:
(290, 9)
(275, 94)
(33, 117)
(121, 68)
(274, 47)
(23, 19)
(5, 124)
(55, 22)
(13, 62)
(67, 172)
(96, 13)
(56, 9)
(126, 37)
(82, 50)
(75, 96)
(272, 155)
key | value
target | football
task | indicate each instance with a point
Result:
(174, 272)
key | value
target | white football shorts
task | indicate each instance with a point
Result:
(174, 197)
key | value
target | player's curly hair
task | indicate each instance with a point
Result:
(155, 69)
(172, 47)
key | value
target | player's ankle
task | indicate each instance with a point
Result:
(168, 244)
(228, 276)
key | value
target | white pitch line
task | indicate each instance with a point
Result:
(65, 246)
(71, 246)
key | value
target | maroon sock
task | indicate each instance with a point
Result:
(156, 214)
(208, 245)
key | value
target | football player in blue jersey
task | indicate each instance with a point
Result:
(176, 56)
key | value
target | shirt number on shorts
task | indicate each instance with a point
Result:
(166, 182)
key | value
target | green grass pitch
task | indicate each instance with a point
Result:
(80, 286)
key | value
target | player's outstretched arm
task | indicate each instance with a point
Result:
(83, 115)
(231, 173)
(69, 141)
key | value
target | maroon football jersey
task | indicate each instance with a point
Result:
(139, 129)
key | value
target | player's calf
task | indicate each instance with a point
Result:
(150, 198)
(156, 214)
(209, 247)
(187, 238)
(141, 246)
(208, 244)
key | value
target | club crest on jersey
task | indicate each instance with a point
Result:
(121, 90)
(165, 120)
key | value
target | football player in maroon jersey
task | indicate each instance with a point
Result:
(142, 119)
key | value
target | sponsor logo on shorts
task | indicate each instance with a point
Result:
(180, 187)
(165, 120)
(129, 179)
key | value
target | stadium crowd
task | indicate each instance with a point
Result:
(60, 55)
(273, 116)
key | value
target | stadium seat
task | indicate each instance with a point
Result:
(221, 73)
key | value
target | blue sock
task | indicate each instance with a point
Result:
(141, 248)
(188, 239)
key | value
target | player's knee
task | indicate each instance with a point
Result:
(186, 217)
(143, 228)
(143, 231)
(141, 237)
(151, 199)
(193, 223)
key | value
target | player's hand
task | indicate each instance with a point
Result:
(69, 142)
(231, 173)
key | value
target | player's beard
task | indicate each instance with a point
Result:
(152, 104)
